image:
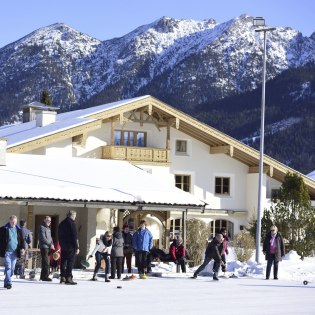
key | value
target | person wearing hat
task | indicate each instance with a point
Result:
(273, 249)
(213, 251)
(127, 248)
(178, 253)
(69, 243)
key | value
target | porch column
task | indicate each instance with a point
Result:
(120, 218)
(184, 219)
(213, 231)
(87, 231)
(167, 230)
(168, 136)
(112, 131)
(30, 217)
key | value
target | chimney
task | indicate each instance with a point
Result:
(43, 114)
(45, 117)
(3, 149)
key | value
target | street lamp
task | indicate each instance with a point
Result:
(260, 22)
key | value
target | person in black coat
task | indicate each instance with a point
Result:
(128, 251)
(11, 247)
(20, 263)
(273, 249)
(213, 251)
(68, 239)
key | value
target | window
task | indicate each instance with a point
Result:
(130, 138)
(175, 228)
(181, 146)
(222, 185)
(183, 182)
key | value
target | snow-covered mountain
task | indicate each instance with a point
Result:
(182, 62)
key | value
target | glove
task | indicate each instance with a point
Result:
(227, 252)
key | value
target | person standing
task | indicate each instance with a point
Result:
(68, 240)
(273, 249)
(103, 249)
(142, 242)
(45, 245)
(178, 253)
(224, 252)
(11, 248)
(213, 251)
(20, 263)
(117, 253)
(127, 248)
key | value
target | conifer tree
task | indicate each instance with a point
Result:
(294, 216)
(45, 97)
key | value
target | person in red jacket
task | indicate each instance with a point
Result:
(55, 258)
(178, 253)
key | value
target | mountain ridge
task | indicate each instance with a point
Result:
(185, 63)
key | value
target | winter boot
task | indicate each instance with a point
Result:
(106, 278)
(62, 280)
(94, 277)
(70, 281)
(215, 276)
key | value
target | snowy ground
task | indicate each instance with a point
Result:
(172, 293)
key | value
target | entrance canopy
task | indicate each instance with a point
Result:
(86, 182)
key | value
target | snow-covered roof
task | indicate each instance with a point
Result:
(311, 175)
(23, 132)
(29, 177)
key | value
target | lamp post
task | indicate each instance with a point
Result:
(260, 22)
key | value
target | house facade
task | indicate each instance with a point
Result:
(172, 146)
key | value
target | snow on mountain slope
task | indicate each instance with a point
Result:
(182, 61)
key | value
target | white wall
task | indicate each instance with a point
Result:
(61, 148)
(204, 167)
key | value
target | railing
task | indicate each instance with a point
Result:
(140, 154)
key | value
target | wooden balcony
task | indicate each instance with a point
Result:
(136, 154)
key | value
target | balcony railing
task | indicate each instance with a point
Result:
(140, 154)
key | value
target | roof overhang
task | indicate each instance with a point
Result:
(99, 204)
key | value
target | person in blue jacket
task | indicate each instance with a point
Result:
(142, 242)
(11, 248)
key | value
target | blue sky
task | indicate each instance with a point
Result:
(105, 19)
